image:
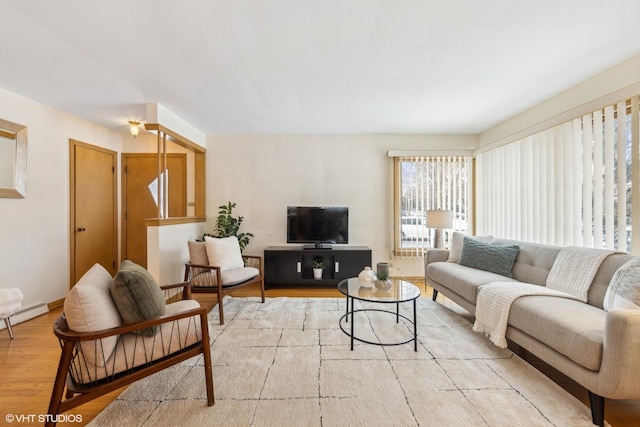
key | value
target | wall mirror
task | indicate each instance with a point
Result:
(13, 159)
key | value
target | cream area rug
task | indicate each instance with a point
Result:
(287, 363)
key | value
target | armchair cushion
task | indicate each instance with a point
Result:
(224, 252)
(88, 307)
(136, 295)
(238, 275)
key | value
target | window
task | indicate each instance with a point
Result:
(429, 183)
(569, 185)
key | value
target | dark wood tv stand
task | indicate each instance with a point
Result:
(293, 265)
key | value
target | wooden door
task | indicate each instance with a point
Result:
(140, 172)
(93, 210)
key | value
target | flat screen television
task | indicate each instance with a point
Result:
(317, 224)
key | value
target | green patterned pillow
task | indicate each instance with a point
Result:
(137, 295)
(493, 258)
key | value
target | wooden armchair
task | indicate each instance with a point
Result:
(215, 277)
(95, 363)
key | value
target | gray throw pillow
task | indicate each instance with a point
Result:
(136, 295)
(493, 258)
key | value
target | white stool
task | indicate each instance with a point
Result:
(10, 301)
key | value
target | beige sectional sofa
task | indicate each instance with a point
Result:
(598, 349)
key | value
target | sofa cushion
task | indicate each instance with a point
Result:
(484, 256)
(534, 260)
(570, 327)
(457, 241)
(224, 252)
(462, 280)
(88, 307)
(137, 295)
(624, 289)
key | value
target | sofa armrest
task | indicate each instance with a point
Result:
(435, 255)
(620, 370)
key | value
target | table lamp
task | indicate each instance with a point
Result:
(439, 219)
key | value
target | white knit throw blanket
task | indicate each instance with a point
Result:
(494, 305)
(574, 269)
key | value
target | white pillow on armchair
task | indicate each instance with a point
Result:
(224, 252)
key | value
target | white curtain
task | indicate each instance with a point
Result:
(568, 185)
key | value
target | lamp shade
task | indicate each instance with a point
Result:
(439, 219)
(134, 128)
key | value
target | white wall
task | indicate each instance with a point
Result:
(264, 174)
(34, 232)
(168, 250)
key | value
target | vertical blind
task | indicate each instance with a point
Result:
(568, 185)
(429, 183)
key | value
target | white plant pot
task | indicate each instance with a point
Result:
(317, 273)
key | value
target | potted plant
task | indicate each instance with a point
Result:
(383, 282)
(318, 266)
(227, 225)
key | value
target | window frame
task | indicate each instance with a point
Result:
(398, 250)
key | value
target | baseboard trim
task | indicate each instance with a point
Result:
(55, 304)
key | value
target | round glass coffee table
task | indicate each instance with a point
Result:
(399, 292)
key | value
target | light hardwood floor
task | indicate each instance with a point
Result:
(28, 365)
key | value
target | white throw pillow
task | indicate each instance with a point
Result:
(224, 252)
(624, 287)
(88, 307)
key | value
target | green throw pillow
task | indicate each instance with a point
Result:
(136, 295)
(493, 258)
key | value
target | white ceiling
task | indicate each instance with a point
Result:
(309, 66)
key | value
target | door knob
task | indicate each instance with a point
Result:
(81, 229)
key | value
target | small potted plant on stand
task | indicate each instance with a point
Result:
(318, 266)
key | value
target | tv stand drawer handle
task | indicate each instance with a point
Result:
(299, 267)
(337, 267)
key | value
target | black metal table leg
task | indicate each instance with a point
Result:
(352, 323)
(415, 328)
(347, 310)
